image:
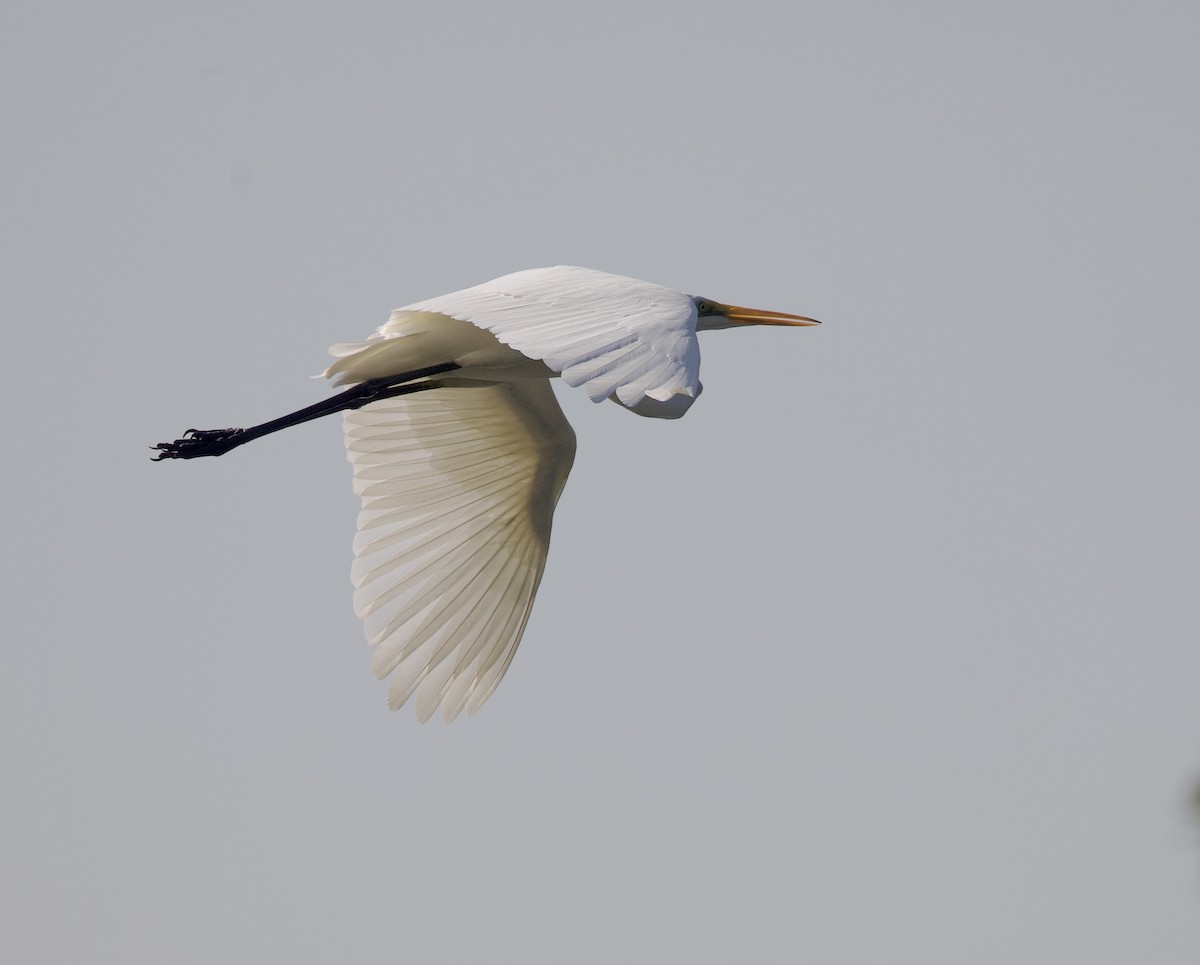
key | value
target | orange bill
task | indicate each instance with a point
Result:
(757, 316)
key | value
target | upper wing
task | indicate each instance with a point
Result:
(614, 336)
(458, 490)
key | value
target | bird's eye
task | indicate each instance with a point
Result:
(702, 307)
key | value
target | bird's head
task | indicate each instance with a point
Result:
(713, 314)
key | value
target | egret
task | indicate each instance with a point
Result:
(460, 453)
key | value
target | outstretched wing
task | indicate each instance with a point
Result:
(458, 490)
(616, 337)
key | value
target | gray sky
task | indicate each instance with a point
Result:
(886, 652)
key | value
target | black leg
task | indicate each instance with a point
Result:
(216, 442)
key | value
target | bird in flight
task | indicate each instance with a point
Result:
(460, 452)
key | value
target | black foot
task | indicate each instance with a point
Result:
(200, 442)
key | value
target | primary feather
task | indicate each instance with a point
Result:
(458, 490)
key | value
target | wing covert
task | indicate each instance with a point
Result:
(614, 336)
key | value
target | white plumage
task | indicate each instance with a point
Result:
(607, 334)
(614, 336)
(458, 490)
(460, 453)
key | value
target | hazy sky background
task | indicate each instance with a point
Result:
(886, 653)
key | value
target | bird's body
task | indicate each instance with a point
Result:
(460, 452)
(613, 336)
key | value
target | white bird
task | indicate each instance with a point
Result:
(460, 452)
